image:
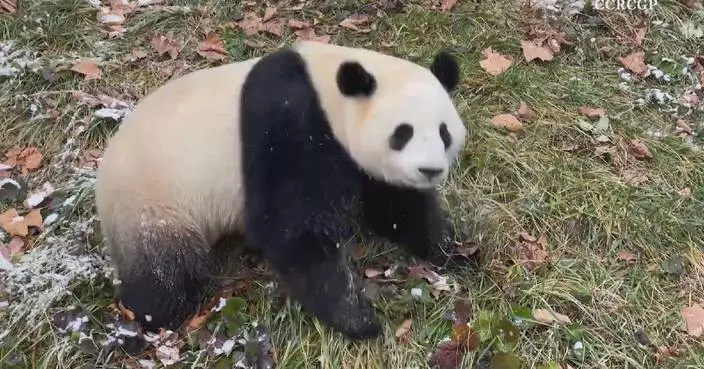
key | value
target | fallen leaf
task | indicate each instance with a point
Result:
(639, 150)
(90, 158)
(507, 121)
(633, 177)
(250, 24)
(200, 319)
(296, 24)
(213, 47)
(533, 50)
(466, 337)
(111, 17)
(635, 62)
(447, 4)
(309, 35)
(592, 112)
(17, 225)
(525, 112)
(694, 320)
(136, 54)
(495, 63)
(127, 313)
(269, 13)
(685, 192)
(681, 126)
(8, 6)
(640, 35)
(438, 282)
(163, 44)
(15, 246)
(254, 44)
(372, 272)
(664, 352)
(547, 317)
(404, 328)
(531, 252)
(625, 255)
(505, 360)
(447, 356)
(27, 159)
(275, 28)
(87, 68)
(689, 99)
(353, 22)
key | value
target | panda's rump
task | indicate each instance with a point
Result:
(179, 150)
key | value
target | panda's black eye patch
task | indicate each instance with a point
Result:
(402, 134)
(445, 135)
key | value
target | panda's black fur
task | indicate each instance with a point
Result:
(303, 193)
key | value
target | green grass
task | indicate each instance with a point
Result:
(503, 185)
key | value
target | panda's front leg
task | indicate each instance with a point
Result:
(412, 218)
(320, 277)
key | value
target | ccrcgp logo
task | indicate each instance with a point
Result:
(625, 4)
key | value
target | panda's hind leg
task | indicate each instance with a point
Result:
(163, 265)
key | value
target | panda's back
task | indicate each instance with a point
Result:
(178, 152)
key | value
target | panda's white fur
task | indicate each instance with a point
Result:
(171, 180)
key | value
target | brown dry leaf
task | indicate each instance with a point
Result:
(591, 112)
(495, 63)
(87, 68)
(254, 44)
(547, 317)
(17, 225)
(694, 320)
(200, 319)
(213, 47)
(465, 337)
(275, 28)
(689, 99)
(90, 158)
(635, 62)
(8, 6)
(404, 328)
(633, 177)
(681, 126)
(136, 54)
(353, 22)
(507, 121)
(685, 192)
(15, 246)
(28, 159)
(530, 251)
(309, 35)
(447, 4)
(639, 150)
(534, 50)
(525, 112)
(163, 44)
(626, 255)
(250, 24)
(127, 313)
(269, 13)
(372, 272)
(664, 352)
(296, 24)
(640, 35)
(699, 67)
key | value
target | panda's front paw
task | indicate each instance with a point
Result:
(452, 251)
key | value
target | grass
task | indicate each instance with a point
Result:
(504, 184)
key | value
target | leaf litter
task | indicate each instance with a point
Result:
(495, 63)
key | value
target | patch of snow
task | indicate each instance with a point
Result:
(416, 292)
(147, 364)
(168, 355)
(220, 305)
(50, 219)
(36, 198)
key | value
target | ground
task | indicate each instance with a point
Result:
(597, 215)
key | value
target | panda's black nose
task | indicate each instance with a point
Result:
(430, 173)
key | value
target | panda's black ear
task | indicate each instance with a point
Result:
(446, 70)
(354, 80)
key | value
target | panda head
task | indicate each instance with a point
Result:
(402, 126)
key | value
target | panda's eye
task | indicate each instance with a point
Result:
(402, 134)
(445, 135)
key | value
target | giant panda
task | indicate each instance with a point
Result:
(290, 150)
